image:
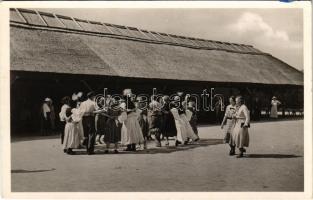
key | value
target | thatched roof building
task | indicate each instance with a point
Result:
(44, 42)
(47, 47)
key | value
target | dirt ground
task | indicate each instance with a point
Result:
(274, 162)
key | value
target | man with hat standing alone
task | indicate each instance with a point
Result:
(275, 103)
(45, 117)
(87, 109)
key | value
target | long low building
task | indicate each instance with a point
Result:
(54, 55)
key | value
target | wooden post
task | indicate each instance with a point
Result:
(105, 99)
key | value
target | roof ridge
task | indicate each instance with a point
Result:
(52, 20)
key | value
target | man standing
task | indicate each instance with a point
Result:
(45, 117)
(87, 109)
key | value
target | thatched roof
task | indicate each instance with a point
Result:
(46, 42)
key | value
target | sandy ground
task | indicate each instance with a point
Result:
(274, 162)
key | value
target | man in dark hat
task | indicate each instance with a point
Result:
(87, 108)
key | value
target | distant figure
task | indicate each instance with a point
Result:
(52, 115)
(218, 111)
(45, 117)
(256, 108)
(275, 103)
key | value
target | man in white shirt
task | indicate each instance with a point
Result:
(87, 109)
(45, 113)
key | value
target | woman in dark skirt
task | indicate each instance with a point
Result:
(113, 130)
(168, 122)
(101, 127)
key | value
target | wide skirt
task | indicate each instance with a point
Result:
(101, 124)
(71, 136)
(81, 130)
(131, 130)
(274, 113)
(239, 136)
(181, 131)
(168, 125)
(189, 131)
(155, 124)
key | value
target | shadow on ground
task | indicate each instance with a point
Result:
(272, 156)
(156, 150)
(30, 171)
(32, 138)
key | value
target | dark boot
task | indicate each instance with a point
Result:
(158, 139)
(129, 147)
(242, 150)
(70, 152)
(232, 150)
(157, 143)
(62, 138)
(177, 143)
(133, 147)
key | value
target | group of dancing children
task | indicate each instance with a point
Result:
(128, 121)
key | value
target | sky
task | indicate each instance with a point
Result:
(275, 31)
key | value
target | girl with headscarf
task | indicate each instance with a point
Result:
(71, 131)
(186, 116)
(131, 133)
(184, 130)
(62, 115)
(76, 101)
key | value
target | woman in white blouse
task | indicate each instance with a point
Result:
(229, 122)
(62, 115)
(240, 134)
